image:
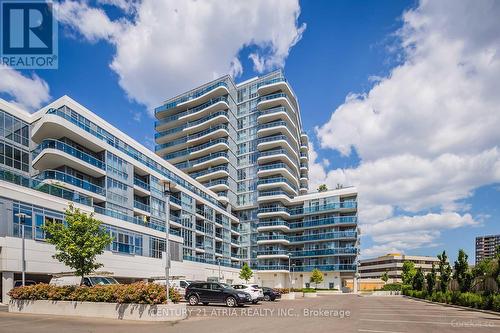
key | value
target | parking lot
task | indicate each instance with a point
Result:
(342, 313)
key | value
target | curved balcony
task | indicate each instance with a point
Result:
(272, 254)
(277, 155)
(214, 132)
(267, 212)
(206, 161)
(190, 100)
(51, 154)
(274, 195)
(217, 185)
(304, 156)
(277, 114)
(73, 183)
(278, 127)
(277, 169)
(277, 84)
(303, 189)
(275, 224)
(276, 142)
(275, 100)
(304, 167)
(211, 173)
(327, 221)
(352, 235)
(274, 182)
(223, 197)
(272, 239)
(304, 138)
(207, 147)
(326, 268)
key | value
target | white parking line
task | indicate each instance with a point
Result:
(417, 322)
(374, 331)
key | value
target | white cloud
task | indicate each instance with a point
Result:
(171, 46)
(427, 134)
(27, 92)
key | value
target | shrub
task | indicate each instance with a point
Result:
(140, 293)
(308, 290)
(495, 302)
(282, 290)
(392, 287)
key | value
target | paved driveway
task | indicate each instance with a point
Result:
(341, 313)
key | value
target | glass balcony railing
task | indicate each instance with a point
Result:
(271, 237)
(132, 219)
(69, 179)
(273, 152)
(58, 145)
(275, 80)
(175, 200)
(337, 267)
(189, 164)
(188, 151)
(273, 96)
(327, 235)
(50, 189)
(190, 124)
(190, 111)
(209, 170)
(275, 192)
(276, 166)
(272, 210)
(321, 208)
(323, 252)
(141, 184)
(141, 206)
(272, 252)
(191, 96)
(272, 124)
(276, 138)
(224, 263)
(275, 180)
(276, 110)
(272, 267)
(277, 223)
(324, 221)
(216, 182)
(191, 137)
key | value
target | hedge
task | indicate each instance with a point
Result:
(472, 300)
(139, 293)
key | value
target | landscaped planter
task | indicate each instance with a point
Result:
(310, 295)
(143, 312)
(328, 292)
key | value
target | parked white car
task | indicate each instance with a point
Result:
(253, 289)
(89, 281)
(178, 284)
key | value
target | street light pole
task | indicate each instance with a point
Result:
(22, 217)
(289, 271)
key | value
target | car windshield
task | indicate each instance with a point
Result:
(111, 280)
(98, 281)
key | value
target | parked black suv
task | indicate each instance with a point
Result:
(213, 292)
(270, 294)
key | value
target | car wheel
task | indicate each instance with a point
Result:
(267, 298)
(205, 303)
(193, 300)
(231, 302)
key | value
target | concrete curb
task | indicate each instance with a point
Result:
(454, 306)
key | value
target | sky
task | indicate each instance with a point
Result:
(399, 98)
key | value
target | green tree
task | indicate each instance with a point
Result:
(408, 272)
(462, 273)
(431, 278)
(78, 241)
(316, 277)
(418, 280)
(444, 271)
(322, 188)
(385, 277)
(245, 272)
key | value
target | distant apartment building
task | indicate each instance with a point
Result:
(392, 263)
(486, 246)
(245, 142)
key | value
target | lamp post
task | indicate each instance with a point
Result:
(289, 271)
(166, 192)
(22, 217)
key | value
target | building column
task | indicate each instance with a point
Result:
(7, 285)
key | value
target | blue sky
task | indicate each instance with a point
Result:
(424, 187)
